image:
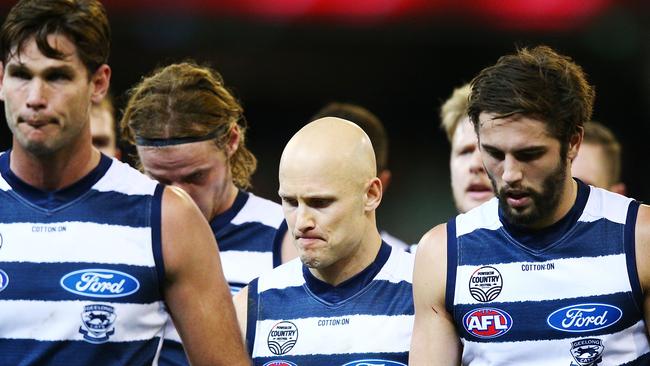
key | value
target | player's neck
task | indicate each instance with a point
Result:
(226, 200)
(567, 200)
(353, 264)
(54, 171)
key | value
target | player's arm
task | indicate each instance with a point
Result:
(642, 245)
(195, 290)
(435, 340)
(241, 308)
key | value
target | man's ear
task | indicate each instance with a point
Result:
(619, 188)
(233, 140)
(575, 142)
(373, 194)
(101, 80)
(385, 176)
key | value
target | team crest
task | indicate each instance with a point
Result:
(587, 352)
(4, 280)
(282, 337)
(97, 323)
(485, 284)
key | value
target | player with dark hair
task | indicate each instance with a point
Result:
(550, 272)
(190, 132)
(91, 248)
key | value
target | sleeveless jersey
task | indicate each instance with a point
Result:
(249, 235)
(288, 324)
(81, 269)
(577, 301)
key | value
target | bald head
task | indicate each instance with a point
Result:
(331, 145)
(330, 190)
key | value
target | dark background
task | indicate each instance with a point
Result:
(284, 60)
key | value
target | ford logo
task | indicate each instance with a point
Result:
(100, 283)
(584, 317)
(374, 363)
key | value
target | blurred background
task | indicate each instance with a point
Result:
(285, 59)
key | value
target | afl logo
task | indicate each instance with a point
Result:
(279, 363)
(282, 338)
(100, 283)
(584, 317)
(4, 280)
(485, 284)
(487, 322)
(374, 363)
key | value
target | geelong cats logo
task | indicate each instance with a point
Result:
(587, 352)
(282, 337)
(97, 323)
(485, 284)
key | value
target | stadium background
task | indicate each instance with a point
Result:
(284, 59)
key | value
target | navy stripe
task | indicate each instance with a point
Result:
(452, 265)
(112, 208)
(42, 281)
(156, 237)
(276, 302)
(630, 249)
(249, 236)
(221, 220)
(251, 315)
(338, 360)
(172, 354)
(586, 239)
(529, 318)
(644, 360)
(277, 243)
(72, 353)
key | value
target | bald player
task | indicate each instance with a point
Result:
(470, 184)
(349, 292)
(599, 159)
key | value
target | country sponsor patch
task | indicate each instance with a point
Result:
(584, 317)
(282, 337)
(102, 283)
(487, 322)
(485, 284)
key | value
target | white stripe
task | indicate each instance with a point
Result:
(34, 242)
(605, 204)
(121, 178)
(243, 266)
(171, 333)
(608, 272)
(286, 275)
(363, 334)
(620, 348)
(60, 320)
(259, 209)
(484, 216)
(398, 267)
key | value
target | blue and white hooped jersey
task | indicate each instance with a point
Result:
(288, 324)
(249, 235)
(574, 302)
(81, 269)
